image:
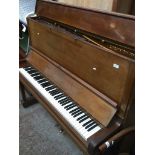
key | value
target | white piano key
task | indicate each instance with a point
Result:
(61, 98)
(48, 86)
(40, 79)
(71, 108)
(79, 115)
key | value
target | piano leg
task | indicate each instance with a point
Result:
(26, 100)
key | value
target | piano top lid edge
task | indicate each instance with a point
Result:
(89, 9)
(117, 27)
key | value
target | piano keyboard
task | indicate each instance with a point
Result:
(80, 120)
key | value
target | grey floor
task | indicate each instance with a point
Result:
(40, 134)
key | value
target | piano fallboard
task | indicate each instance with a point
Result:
(78, 92)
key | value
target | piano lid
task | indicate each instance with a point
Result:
(114, 26)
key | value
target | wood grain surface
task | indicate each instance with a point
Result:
(118, 27)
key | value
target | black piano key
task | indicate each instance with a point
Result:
(36, 74)
(65, 99)
(57, 89)
(38, 77)
(63, 104)
(78, 114)
(87, 123)
(68, 105)
(32, 71)
(74, 110)
(50, 88)
(41, 81)
(69, 99)
(54, 92)
(83, 119)
(59, 96)
(90, 124)
(27, 68)
(46, 84)
(95, 125)
(77, 110)
(62, 100)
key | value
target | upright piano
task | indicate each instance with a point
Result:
(81, 69)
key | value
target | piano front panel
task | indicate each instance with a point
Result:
(105, 70)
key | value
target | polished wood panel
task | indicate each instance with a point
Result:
(87, 61)
(110, 25)
(97, 107)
